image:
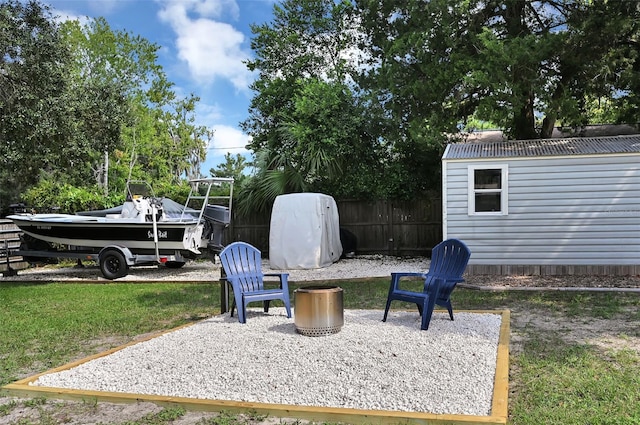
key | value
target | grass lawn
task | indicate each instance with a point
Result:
(574, 355)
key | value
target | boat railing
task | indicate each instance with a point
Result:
(194, 194)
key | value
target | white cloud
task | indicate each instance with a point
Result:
(207, 114)
(212, 49)
(227, 139)
(216, 8)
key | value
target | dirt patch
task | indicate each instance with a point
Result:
(88, 412)
(15, 410)
(608, 334)
(575, 281)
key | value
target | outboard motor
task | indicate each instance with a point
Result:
(217, 219)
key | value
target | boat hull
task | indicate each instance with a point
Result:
(98, 232)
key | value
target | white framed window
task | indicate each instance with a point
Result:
(488, 194)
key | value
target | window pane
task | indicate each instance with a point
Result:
(487, 179)
(487, 202)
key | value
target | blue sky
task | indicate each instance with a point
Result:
(203, 46)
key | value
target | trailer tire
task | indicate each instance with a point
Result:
(113, 264)
(174, 264)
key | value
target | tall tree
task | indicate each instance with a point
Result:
(78, 100)
(233, 166)
(153, 135)
(116, 69)
(615, 25)
(188, 140)
(35, 104)
(512, 62)
(305, 120)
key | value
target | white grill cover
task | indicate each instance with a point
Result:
(304, 232)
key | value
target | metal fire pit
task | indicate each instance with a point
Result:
(318, 310)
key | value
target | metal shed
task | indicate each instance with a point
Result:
(553, 206)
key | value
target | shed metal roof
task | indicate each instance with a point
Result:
(544, 147)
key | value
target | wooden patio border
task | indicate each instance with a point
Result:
(499, 405)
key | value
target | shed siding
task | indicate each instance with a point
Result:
(580, 210)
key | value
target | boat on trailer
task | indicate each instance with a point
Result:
(144, 230)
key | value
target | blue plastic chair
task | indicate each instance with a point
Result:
(448, 262)
(242, 265)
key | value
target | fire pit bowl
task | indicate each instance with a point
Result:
(318, 310)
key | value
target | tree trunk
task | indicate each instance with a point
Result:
(554, 109)
(524, 123)
(523, 96)
(548, 124)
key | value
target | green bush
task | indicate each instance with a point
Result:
(176, 192)
(49, 196)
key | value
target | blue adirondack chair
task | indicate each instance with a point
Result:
(242, 265)
(448, 261)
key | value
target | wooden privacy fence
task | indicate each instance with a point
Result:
(404, 229)
(398, 228)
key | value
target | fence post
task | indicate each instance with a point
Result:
(391, 239)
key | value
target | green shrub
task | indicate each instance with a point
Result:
(50, 196)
